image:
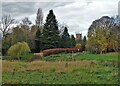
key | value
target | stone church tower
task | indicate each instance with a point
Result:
(39, 18)
(79, 38)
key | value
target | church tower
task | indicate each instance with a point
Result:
(79, 38)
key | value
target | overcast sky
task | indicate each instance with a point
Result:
(77, 15)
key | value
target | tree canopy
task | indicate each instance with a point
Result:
(103, 35)
(65, 39)
(50, 32)
(18, 49)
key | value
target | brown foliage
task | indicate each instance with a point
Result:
(59, 50)
(36, 56)
(78, 46)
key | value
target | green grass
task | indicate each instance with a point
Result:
(98, 57)
(69, 57)
(79, 76)
(81, 69)
(25, 56)
(57, 57)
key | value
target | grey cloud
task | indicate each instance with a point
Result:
(39, 1)
(18, 9)
(22, 9)
(80, 17)
(77, 15)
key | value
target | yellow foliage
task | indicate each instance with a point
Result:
(18, 49)
(78, 46)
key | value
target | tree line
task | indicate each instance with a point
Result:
(40, 36)
(103, 34)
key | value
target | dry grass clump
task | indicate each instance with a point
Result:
(43, 66)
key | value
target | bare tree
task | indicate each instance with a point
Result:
(6, 24)
(26, 21)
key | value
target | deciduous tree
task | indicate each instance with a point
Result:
(6, 24)
(18, 49)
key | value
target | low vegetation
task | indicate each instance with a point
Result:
(60, 50)
(18, 49)
(80, 56)
(56, 71)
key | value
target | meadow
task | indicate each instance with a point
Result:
(63, 69)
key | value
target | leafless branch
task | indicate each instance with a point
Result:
(6, 24)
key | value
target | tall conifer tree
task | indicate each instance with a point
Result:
(84, 41)
(66, 39)
(73, 42)
(50, 32)
(38, 40)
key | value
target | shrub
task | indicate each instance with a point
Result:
(59, 50)
(78, 46)
(37, 56)
(18, 49)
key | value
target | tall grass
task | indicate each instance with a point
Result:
(82, 69)
(72, 72)
(43, 66)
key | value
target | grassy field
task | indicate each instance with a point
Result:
(63, 69)
(68, 57)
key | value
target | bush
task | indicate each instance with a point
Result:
(18, 49)
(59, 50)
(78, 46)
(37, 56)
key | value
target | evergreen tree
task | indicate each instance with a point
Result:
(50, 32)
(38, 41)
(84, 41)
(66, 39)
(73, 42)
